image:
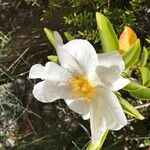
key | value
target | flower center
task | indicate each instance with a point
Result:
(81, 87)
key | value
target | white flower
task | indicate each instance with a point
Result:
(86, 81)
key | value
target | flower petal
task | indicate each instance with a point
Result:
(65, 59)
(86, 116)
(68, 62)
(120, 83)
(36, 71)
(111, 59)
(49, 91)
(105, 112)
(80, 107)
(107, 75)
(58, 39)
(97, 120)
(114, 116)
(109, 71)
(51, 71)
(83, 53)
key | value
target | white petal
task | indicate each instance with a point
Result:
(79, 106)
(86, 116)
(97, 120)
(114, 116)
(55, 72)
(120, 83)
(107, 75)
(58, 39)
(36, 71)
(49, 91)
(94, 78)
(68, 62)
(105, 112)
(51, 71)
(83, 53)
(65, 59)
(111, 59)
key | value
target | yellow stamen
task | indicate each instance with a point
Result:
(81, 87)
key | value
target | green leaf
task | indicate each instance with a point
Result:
(68, 36)
(99, 144)
(129, 109)
(50, 35)
(53, 58)
(132, 55)
(145, 74)
(133, 86)
(138, 91)
(107, 34)
(143, 94)
(144, 57)
(147, 83)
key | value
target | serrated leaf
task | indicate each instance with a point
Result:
(138, 91)
(53, 58)
(145, 74)
(107, 34)
(132, 55)
(129, 109)
(99, 144)
(144, 57)
(50, 35)
(68, 36)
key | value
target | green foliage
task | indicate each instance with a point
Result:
(98, 146)
(137, 5)
(50, 35)
(80, 20)
(145, 75)
(144, 57)
(68, 36)
(90, 35)
(106, 33)
(132, 55)
(53, 58)
(84, 25)
(138, 91)
(52, 8)
(129, 109)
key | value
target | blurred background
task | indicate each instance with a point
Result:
(26, 123)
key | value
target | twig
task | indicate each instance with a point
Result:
(22, 74)
(3, 72)
(85, 129)
(141, 106)
(17, 59)
(76, 145)
(30, 124)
